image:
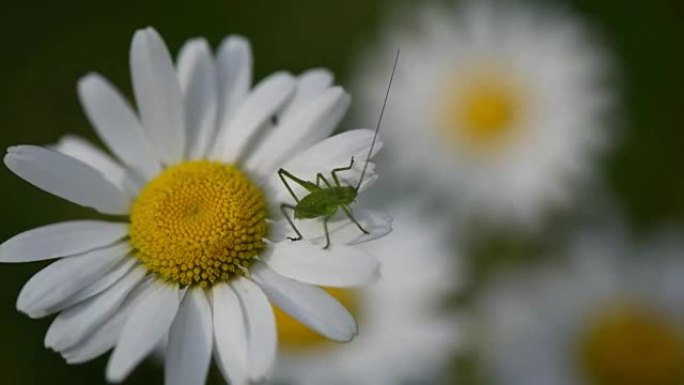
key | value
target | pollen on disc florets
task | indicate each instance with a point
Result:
(198, 223)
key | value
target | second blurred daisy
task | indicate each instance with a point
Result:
(502, 106)
(405, 334)
(613, 316)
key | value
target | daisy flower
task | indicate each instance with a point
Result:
(405, 336)
(612, 316)
(197, 252)
(502, 106)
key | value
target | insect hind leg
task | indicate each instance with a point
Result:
(290, 207)
(351, 217)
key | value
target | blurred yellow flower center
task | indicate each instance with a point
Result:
(293, 336)
(480, 111)
(198, 223)
(632, 346)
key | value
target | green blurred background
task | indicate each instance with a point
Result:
(47, 47)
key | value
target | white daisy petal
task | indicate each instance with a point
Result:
(307, 125)
(310, 84)
(87, 153)
(60, 240)
(97, 287)
(230, 334)
(74, 324)
(190, 341)
(148, 322)
(105, 337)
(67, 178)
(102, 284)
(338, 266)
(405, 336)
(117, 125)
(261, 104)
(344, 231)
(262, 342)
(158, 95)
(335, 151)
(64, 278)
(197, 76)
(234, 74)
(310, 305)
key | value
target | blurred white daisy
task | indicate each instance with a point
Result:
(497, 106)
(612, 316)
(405, 336)
(198, 252)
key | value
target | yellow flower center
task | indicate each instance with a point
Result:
(198, 223)
(480, 111)
(293, 336)
(632, 346)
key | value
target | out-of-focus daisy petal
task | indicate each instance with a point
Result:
(504, 106)
(158, 95)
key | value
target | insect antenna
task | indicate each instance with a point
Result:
(377, 127)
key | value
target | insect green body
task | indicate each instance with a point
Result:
(324, 202)
(325, 199)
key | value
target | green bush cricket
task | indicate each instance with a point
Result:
(325, 199)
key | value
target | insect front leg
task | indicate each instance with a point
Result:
(284, 206)
(327, 233)
(336, 170)
(319, 178)
(349, 214)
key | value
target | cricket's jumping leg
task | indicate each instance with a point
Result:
(336, 170)
(282, 209)
(349, 214)
(282, 173)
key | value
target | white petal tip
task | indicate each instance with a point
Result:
(235, 42)
(115, 373)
